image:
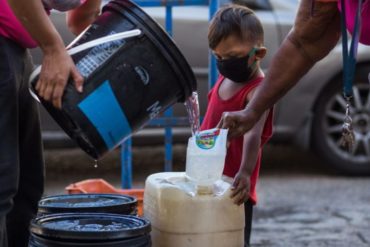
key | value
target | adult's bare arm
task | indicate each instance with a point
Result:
(57, 65)
(79, 18)
(312, 37)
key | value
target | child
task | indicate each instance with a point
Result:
(236, 39)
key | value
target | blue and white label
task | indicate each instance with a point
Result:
(97, 56)
(104, 112)
(154, 110)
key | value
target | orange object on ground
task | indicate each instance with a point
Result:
(103, 187)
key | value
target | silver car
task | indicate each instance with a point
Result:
(310, 115)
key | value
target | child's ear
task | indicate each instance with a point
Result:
(261, 52)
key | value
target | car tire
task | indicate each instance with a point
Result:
(328, 119)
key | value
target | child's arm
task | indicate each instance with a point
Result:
(251, 147)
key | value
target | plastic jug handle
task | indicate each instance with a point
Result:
(87, 45)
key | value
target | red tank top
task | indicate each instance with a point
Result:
(216, 106)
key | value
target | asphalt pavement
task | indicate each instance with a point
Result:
(301, 201)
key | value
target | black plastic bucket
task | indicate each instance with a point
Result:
(90, 229)
(85, 203)
(127, 81)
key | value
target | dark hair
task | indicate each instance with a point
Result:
(235, 20)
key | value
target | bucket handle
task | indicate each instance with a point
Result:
(99, 41)
(85, 46)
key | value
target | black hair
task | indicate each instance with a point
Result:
(235, 20)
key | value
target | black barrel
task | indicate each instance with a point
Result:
(90, 229)
(127, 82)
(85, 203)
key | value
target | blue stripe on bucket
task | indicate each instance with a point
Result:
(103, 110)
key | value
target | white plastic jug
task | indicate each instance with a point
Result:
(180, 220)
(205, 157)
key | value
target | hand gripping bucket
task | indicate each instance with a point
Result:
(132, 70)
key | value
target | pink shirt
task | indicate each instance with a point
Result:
(12, 29)
(351, 8)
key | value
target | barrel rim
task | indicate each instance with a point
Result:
(43, 207)
(36, 227)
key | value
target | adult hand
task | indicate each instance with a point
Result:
(240, 188)
(57, 68)
(57, 65)
(238, 122)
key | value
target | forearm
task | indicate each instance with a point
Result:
(251, 148)
(313, 36)
(34, 18)
(80, 18)
(251, 145)
(282, 75)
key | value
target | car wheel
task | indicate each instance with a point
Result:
(328, 120)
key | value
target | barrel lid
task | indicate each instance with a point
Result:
(108, 203)
(90, 226)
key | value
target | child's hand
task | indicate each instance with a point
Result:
(240, 188)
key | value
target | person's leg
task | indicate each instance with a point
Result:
(248, 209)
(31, 167)
(8, 133)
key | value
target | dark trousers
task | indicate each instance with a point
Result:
(21, 161)
(248, 210)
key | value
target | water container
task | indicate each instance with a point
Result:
(89, 230)
(84, 203)
(205, 156)
(132, 70)
(180, 220)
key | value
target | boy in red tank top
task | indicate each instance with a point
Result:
(236, 39)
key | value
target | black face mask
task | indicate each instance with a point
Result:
(237, 69)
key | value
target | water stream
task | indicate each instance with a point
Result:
(192, 108)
